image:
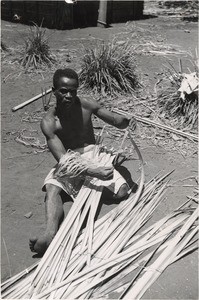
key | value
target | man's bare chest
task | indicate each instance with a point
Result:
(73, 127)
(69, 125)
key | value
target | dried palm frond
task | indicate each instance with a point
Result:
(178, 105)
(71, 164)
(173, 249)
(72, 276)
(79, 261)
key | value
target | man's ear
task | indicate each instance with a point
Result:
(53, 90)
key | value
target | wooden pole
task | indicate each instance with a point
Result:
(153, 123)
(31, 100)
(102, 16)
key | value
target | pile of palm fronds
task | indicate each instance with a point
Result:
(176, 104)
(109, 69)
(96, 260)
(36, 51)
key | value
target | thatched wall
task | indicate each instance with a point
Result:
(122, 11)
(60, 15)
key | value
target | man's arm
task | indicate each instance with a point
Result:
(57, 149)
(110, 117)
(54, 143)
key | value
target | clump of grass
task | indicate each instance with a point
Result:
(109, 69)
(183, 111)
(37, 50)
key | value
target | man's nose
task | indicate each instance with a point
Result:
(68, 94)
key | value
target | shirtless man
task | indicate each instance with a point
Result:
(69, 126)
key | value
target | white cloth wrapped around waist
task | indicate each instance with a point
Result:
(90, 157)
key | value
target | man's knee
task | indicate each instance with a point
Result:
(123, 192)
(52, 191)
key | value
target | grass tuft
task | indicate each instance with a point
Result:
(37, 50)
(109, 69)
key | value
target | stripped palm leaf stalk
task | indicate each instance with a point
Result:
(121, 277)
(105, 265)
(169, 253)
(84, 194)
(80, 263)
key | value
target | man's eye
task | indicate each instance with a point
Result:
(65, 92)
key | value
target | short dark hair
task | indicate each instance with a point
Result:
(69, 73)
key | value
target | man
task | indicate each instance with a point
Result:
(69, 126)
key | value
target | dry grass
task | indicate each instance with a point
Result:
(36, 51)
(31, 139)
(109, 69)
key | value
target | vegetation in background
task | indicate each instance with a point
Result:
(181, 108)
(188, 9)
(178, 3)
(36, 51)
(109, 69)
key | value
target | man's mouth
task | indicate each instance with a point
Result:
(67, 102)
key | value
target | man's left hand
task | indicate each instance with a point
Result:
(132, 123)
(119, 159)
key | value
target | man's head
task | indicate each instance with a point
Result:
(65, 84)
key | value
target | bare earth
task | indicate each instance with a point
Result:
(24, 168)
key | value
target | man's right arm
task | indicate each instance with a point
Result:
(54, 143)
(57, 149)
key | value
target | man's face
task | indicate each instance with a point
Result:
(66, 91)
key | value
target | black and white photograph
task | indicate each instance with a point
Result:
(99, 149)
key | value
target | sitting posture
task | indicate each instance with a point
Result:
(69, 126)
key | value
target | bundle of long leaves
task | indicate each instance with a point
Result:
(109, 69)
(36, 50)
(183, 111)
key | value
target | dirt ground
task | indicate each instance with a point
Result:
(24, 168)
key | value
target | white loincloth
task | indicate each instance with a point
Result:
(73, 185)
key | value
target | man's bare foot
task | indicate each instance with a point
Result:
(39, 245)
